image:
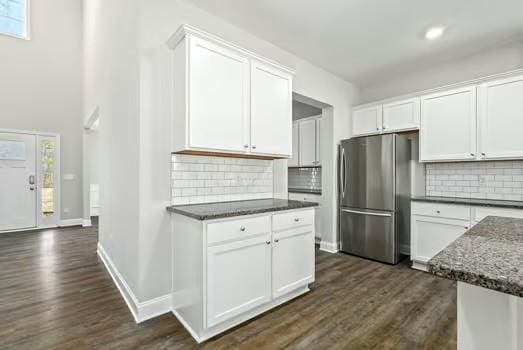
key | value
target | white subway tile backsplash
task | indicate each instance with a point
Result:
(203, 179)
(492, 180)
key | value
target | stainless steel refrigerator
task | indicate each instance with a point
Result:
(374, 196)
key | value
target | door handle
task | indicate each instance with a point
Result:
(342, 173)
(366, 213)
(31, 179)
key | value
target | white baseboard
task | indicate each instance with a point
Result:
(87, 223)
(329, 247)
(71, 222)
(141, 311)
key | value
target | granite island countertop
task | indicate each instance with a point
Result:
(470, 201)
(489, 255)
(209, 211)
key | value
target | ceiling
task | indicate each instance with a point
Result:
(365, 41)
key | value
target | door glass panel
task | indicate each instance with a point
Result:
(48, 147)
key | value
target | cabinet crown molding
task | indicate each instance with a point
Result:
(187, 30)
(442, 88)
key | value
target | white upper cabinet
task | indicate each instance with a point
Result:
(227, 99)
(448, 125)
(271, 110)
(294, 160)
(500, 116)
(218, 97)
(307, 154)
(367, 121)
(401, 115)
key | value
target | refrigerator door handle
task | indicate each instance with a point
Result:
(342, 168)
(366, 212)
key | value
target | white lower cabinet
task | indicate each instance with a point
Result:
(227, 271)
(434, 226)
(238, 278)
(293, 260)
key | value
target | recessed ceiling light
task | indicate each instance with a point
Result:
(434, 33)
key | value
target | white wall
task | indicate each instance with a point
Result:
(139, 143)
(111, 81)
(41, 86)
(496, 60)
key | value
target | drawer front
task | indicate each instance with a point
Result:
(449, 211)
(482, 212)
(237, 229)
(293, 219)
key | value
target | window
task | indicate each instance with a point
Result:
(48, 159)
(13, 18)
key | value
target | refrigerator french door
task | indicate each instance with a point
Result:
(374, 192)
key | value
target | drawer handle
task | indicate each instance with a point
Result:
(296, 219)
(437, 211)
(268, 242)
(242, 228)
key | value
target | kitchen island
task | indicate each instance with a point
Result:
(487, 263)
(234, 260)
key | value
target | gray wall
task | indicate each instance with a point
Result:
(40, 86)
(303, 110)
(496, 60)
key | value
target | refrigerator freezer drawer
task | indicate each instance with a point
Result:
(369, 234)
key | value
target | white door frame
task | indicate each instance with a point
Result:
(58, 183)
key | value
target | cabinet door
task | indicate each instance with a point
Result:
(293, 259)
(238, 278)
(401, 115)
(294, 160)
(501, 118)
(218, 98)
(318, 141)
(271, 110)
(448, 125)
(367, 120)
(307, 142)
(431, 235)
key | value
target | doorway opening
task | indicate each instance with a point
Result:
(29, 180)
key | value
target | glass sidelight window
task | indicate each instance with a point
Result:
(48, 193)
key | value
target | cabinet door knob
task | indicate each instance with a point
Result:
(437, 211)
(296, 219)
(276, 240)
(253, 146)
(242, 228)
(245, 146)
(472, 154)
(384, 127)
(268, 242)
(483, 154)
(466, 227)
(378, 128)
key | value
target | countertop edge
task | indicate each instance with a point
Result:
(470, 201)
(232, 214)
(475, 279)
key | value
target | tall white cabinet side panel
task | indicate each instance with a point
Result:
(180, 102)
(218, 97)
(448, 125)
(318, 141)
(271, 110)
(501, 118)
(307, 142)
(187, 270)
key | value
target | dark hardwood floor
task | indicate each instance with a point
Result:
(56, 294)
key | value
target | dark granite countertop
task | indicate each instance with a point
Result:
(208, 211)
(470, 201)
(304, 190)
(489, 255)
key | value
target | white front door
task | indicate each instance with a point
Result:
(17, 181)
